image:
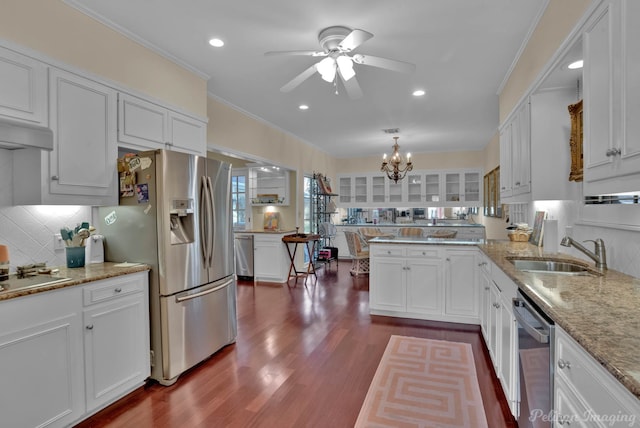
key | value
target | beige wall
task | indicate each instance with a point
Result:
(441, 160)
(556, 24)
(62, 33)
(232, 132)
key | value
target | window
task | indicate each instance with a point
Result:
(308, 219)
(239, 200)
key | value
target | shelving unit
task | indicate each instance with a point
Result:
(322, 209)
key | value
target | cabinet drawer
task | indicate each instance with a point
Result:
(113, 288)
(430, 253)
(598, 389)
(387, 251)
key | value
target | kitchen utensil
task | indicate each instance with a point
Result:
(82, 234)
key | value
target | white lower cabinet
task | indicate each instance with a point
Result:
(270, 258)
(585, 393)
(416, 281)
(41, 360)
(116, 338)
(499, 327)
(460, 283)
(67, 353)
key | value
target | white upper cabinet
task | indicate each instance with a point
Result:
(416, 189)
(611, 93)
(269, 186)
(515, 154)
(23, 88)
(81, 169)
(145, 125)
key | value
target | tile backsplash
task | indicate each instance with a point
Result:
(29, 231)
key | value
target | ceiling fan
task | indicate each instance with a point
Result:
(337, 43)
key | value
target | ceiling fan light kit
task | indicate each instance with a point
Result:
(396, 168)
(337, 42)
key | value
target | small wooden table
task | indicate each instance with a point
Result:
(301, 238)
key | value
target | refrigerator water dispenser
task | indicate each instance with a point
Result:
(181, 222)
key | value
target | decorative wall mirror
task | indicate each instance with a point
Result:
(492, 205)
(575, 142)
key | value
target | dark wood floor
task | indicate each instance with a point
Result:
(304, 357)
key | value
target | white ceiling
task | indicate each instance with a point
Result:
(462, 49)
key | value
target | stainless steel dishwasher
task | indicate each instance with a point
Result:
(244, 256)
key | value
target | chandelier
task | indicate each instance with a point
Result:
(396, 168)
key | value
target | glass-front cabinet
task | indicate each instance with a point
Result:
(418, 188)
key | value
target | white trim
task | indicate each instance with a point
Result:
(134, 37)
(524, 44)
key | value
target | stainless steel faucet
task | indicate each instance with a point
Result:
(599, 256)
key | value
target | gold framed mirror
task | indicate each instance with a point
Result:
(575, 141)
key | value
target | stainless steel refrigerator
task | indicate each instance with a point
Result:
(175, 215)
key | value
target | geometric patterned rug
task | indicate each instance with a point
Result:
(424, 383)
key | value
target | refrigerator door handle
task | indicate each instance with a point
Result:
(212, 221)
(204, 213)
(205, 292)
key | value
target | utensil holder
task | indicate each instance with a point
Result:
(75, 257)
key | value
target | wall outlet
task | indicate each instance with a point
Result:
(58, 243)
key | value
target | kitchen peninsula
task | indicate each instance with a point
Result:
(596, 339)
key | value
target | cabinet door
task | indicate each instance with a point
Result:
(508, 331)
(388, 284)
(424, 286)
(506, 189)
(187, 134)
(141, 124)
(271, 262)
(521, 151)
(415, 185)
(83, 119)
(360, 195)
(396, 191)
(116, 348)
(378, 189)
(485, 309)
(453, 186)
(460, 284)
(432, 188)
(597, 71)
(41, 360)
(23, 88)
(472, 186)
(495, 320)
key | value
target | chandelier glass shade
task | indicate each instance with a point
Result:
(396, 167)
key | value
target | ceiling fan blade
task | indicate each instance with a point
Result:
(389, 64)
(303, 53)
(299, 79)
(352, 87)
(354, 39)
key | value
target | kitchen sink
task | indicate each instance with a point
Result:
(552, 266)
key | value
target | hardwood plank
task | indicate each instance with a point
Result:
(305, 356)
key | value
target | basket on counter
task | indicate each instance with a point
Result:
(519, 235)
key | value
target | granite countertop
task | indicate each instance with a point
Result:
(75, 276)
(599, 312)
(411, 225)
(276, 232)
(423, 240)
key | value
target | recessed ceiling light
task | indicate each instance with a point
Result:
(303, 107)
(418, 93)
(216, 43)
(575, 65)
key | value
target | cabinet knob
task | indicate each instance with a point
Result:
(388, 251)
(55, 178)
(613, 152)
(564, 420)
(89, 327)
(482, 264)
(562, 364)
(486, 288)
(496, 305)
(118, 290)
(448, 259)
(424, 253)
(517, 183)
